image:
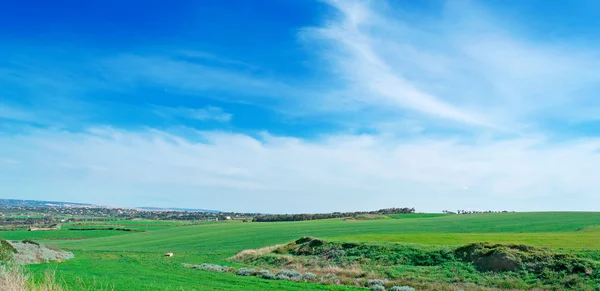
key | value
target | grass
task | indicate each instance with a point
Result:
(138, 224)
(417, 215)
(542, 268)
(134, 260)
(232, 237)
(149, 271)
(555, 240)
(66, 234)
(62, 234)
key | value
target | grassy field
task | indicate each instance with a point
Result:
(62, 234)
(555, 240)
(134, 260)
(416, 215)
(141, 225)
(233, 237)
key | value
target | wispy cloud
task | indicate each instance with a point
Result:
(209, 113)
(467, 65)
(336, 172)
(13, 113)
(169, 71)
(377, 69)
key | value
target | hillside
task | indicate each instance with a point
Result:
(136, 259)
(252, 235)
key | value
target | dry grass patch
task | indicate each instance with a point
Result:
(14, 278)
(253, 253)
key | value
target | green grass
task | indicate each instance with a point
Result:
(151, 222)
(239, 236)
(58, 234)
(417, 215)
(150, 271)
(134, 260)
(65, 234)
(555, 240)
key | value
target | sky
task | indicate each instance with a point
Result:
(302, 106)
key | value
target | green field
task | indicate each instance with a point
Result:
(62, 234)
(134, 261)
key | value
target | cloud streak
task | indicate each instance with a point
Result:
(208, 113)
(450, 111)
(466, 65)
(336, 172)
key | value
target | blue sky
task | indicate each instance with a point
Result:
(302, 106)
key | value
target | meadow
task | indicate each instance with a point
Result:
(134, 260)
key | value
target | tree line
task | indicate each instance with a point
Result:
(316, 216)
(472, 211)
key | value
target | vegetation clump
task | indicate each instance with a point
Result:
(317, 216)
(512, 257)
(7, 250)
(266, 274)
(28, 241)
(209, 267)
(510, 266)
(246, 272)
(35, 253)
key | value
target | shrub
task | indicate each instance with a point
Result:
(377, 288)
(330, 278)
(282, 277)
(246, 272)
(209, 267)
(7, 250)
(373, 282)
(28, 241)
(402, 288)
(265, 274)
(309, 277)
(510, 257)
(293, 275)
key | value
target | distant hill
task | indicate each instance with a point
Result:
(177, 209)
(40, 203)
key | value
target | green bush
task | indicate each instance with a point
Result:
(246, 272)
(28, 241)
(7, 251)
(500, 258)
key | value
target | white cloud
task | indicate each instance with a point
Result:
(284, 174)
(195, 78)
(463, 64)
(207, 113)
(385, 71)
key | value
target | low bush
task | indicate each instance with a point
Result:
(282, 277)
(246, 272)
(28, 241)
(293, 275)
(511, 257)
(377, 288)
(491, 265)
(209, 267)
(329, 278)
(373, 282)
(266, 274)
(309, 277)
(7, 251)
